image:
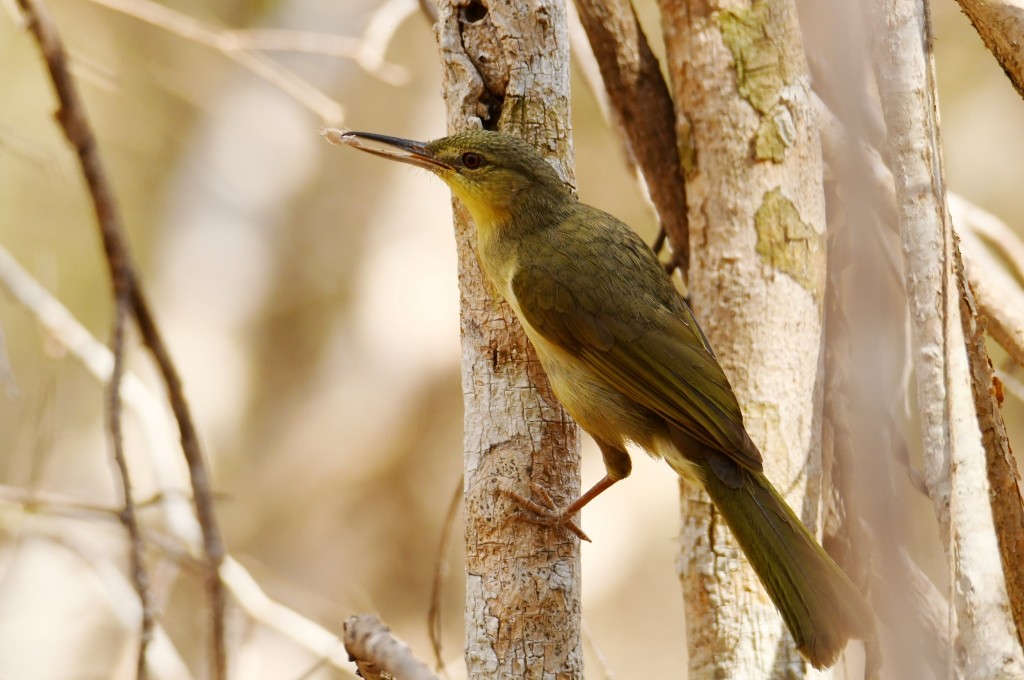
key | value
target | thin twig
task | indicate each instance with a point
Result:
(223, 41)
(202, 494)
(37, 499)
(998, 296)
(310, 636)
(1013, 385)
(128, 516)
(440, 572)
(370, 57)
(164, 660)
(65, 330)
(996, 233)
(602, 662)
(72, 118)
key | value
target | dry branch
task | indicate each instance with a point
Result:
(128, 516)
(643, 109)
(185, 531)
(225, 41)
(440, 573)
(72, 117)
(954, 458)
(987, 289)
(378, 654)
(1000, 23)
(1005, 494)
(998, 296)
(163, 660)
(73, 120)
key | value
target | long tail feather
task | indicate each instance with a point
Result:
(819, 604)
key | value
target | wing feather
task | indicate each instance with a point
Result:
(652, 351)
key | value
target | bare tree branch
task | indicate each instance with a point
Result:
(440, 572)
(98, 362)
(988, 289)
(993, 231)
(224, 41)
(997, 294)
(1005, 494)
(1000, 23)
(643, 110)
(72, 118)
(376, 652)
(128, 517)
(954, 456)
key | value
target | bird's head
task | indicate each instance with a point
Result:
(494, 174)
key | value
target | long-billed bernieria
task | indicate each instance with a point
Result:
(626, 358)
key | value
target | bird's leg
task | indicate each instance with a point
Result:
(550, 515)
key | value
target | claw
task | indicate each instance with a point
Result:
(548, 514)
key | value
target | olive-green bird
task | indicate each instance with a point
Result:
(626, 358)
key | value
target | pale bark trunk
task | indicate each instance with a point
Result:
(986, 646)
(506, 66)
(754, 187)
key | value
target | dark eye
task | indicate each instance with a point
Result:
(471, 160)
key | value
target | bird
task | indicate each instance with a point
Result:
(628, 361)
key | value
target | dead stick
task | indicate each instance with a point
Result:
(72, 118)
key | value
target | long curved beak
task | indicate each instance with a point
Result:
(393, 148)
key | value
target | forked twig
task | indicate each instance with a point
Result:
(73, 120)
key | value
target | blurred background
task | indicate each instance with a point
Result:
(309, 297)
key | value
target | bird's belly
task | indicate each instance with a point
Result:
(600, 409)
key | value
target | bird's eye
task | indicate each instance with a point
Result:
(471, 160)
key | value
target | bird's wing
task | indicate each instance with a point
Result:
(650, 348)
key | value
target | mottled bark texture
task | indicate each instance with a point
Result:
(506, 67)
(752, 160)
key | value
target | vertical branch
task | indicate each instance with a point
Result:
(128, 517)
(954, 458)
(506, 66)
(1003, 478)
(757, 218)
(643, 110)
(128, 292)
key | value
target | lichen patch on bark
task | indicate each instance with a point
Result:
(766, 64)
(787, 243)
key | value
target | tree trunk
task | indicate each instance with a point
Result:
(506, 66)
(954, 456)
(756, 204)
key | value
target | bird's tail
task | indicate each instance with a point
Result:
(819, 604)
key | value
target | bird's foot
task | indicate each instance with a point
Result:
(548, 514)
